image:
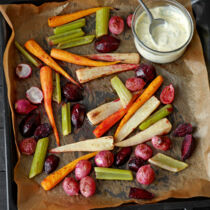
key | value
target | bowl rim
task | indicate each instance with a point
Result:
(184, 12)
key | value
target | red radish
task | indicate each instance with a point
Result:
(134, 84)
(116, 25)
(145, 175)
(23, 106)
(143, 151)
(34, 95)
(70, 186)
(23, 70)
(167, 94)
(129, 20)
(87, 186)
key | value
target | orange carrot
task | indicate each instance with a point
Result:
(34, 48)
(53, 179)
(77, 59)
(62, 19)
(149, 91)
(105, 125)
(47, 88)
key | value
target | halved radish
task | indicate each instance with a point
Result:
(23, 70)
(34, 95)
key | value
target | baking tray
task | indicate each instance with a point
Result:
(200, 9)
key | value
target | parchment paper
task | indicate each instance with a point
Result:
(188, 74)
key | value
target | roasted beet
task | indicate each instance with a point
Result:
(78, 115)
(167, 94)
(161, 142)
(29, 124)
(42, 131)
(188, 146)
(51, 163)
(145, 175)
(23, 106)
(70, 186)
(106, 43)
(129, 20)
(87, 186)
(183, 129)
(82, 169)
(138, 193)
(72, 92)
(116, 25)
(27, 146)
(135, 163)
(143, 151)
(104, 159)
(135, 84)
(146, 72)
(122, 156)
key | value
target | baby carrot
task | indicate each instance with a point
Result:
(34, 48)
(62, 19)
(47, 88)
(149, 91)
(53, 179)
(77, 59)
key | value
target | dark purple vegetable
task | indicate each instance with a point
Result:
(106, 43)
(183, 129)
(188, 146)
(42, 131)
(78, 115)
(122, 156)
(51, 163)
(29, 124)
(135, 163)
(72, 92)
(27, 146)
(138, 193)
(146, 72)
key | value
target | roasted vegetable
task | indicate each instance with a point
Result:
(66, 119)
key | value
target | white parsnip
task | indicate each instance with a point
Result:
(161, 127)
(90, 145)
(140, 115)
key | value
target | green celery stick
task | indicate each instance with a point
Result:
(39, 157)
(69, 26)
(57, 88)
(76, 42)
(160, 114)
(56, 39)
(167, 163)
(113, 174)
(123, 93)
(30, 58)
(66, 119)
(102, 21)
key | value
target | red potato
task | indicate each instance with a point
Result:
(23, 70)
(87, 186)
(135, 84)
(143, 151)
(82, 169)
(34, 95)
(129, 20)
(161, 142)
(27, 146)
(104, 159)
(167, 94)
(70, 186)
(116, 25)
(23, 106)
(145, 175)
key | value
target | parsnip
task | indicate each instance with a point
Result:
(159, 128)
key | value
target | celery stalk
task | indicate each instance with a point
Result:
(113, 174)
(168, 163)
(39, 157)
(76, 42)
(160, 114)
(69, 26)
(57, 88)
(102, 21)
(66, 119)
(30, 58)
(56, 39)
(123, 93)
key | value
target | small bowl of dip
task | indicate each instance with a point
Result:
(169, 40)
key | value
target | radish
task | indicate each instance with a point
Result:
(129, 20)
(23, 70)
(23, 106)
(34, 95)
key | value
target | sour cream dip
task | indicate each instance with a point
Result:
(169, 40)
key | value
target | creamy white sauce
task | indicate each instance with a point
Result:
(169, 36)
